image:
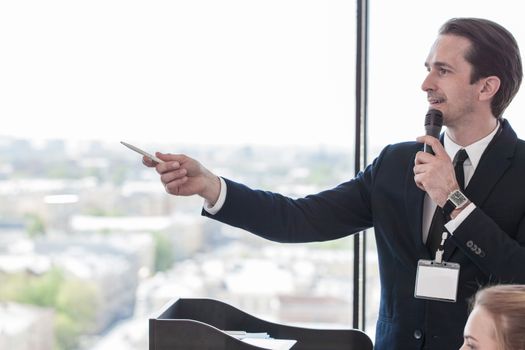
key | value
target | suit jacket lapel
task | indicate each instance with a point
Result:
(493, 164)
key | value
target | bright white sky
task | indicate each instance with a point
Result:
(219, 71)
(191, 71)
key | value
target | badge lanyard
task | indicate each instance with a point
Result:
(436, 279)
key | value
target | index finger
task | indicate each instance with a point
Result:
(436, 145)
(170, 162)
(147, 161)
(170, 157)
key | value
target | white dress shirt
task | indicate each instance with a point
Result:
(214, 209)
(474, 151)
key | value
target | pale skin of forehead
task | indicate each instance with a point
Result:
(480, 330)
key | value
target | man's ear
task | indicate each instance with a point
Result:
(489, 87)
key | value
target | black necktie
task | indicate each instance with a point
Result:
(437, 227)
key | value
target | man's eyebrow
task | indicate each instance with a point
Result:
(470, 337)
(439, 64)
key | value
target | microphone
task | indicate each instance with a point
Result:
(433, 124)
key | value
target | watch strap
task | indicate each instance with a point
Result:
(448, 208)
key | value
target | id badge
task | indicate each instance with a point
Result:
(437, 281)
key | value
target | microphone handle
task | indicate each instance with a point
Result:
(427, 149)
(432, 130)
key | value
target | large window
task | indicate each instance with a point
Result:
(90, 244)
(260, 92)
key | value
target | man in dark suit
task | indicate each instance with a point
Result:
(407, 195)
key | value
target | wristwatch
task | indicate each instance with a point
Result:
(455, 200)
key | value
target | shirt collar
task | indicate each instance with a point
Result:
(474, 150)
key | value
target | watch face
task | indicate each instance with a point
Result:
(457, 198)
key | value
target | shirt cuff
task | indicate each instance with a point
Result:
(453, 224)
(214, 209)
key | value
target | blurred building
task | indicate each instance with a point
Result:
(112, 263)
(25, 327)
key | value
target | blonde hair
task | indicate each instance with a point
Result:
(506, 304)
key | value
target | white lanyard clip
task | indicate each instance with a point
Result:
(441, 249)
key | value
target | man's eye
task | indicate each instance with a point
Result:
(470, 345)
(443, 71)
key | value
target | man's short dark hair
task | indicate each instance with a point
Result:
(494, 52)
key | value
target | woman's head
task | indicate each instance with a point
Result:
(497, 320)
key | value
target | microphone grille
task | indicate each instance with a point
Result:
(434, 117)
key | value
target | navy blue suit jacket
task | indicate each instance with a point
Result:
(489, 244)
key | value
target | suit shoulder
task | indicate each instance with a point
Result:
(520, 149)
(521, 144)
(395, 155)
(402, 148)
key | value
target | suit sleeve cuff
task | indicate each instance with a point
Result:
(453, 224)
(214, 209)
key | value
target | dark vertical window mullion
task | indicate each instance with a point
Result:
(360, 158)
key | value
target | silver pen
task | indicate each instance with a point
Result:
(144, 153)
